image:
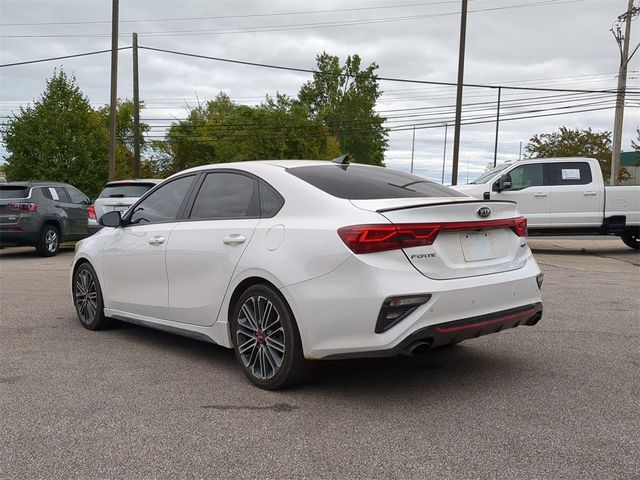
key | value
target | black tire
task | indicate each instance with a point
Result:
(631, 238)
(87, 298)
(269, 349)
(49, 241)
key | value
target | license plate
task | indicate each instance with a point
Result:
(477, 246)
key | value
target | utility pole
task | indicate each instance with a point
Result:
(413, 145)
(520, 154)
(444, 153)
(456, 135)
(114, 90)
(495, 150)
(623, 41)
(136, 110)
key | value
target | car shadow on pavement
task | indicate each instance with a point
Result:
(438, 369)
(30, 252)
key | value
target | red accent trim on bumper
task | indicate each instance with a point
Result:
(470, 326)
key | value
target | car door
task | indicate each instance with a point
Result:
(63, 211)
(529, 190)
(78, 211)
(133, 256)
(204, 249)
(576, 198)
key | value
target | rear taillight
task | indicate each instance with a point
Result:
(520, 227)
(378, 238)
(23, 207)
(92, 212)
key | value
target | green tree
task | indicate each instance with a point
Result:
(344, 98)
(124, 140)
(567, 142)
(221, 131)
(59, 138)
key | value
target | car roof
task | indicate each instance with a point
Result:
(134, 180)
(273, 163)
(35, 183)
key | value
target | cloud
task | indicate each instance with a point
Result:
(567, 45)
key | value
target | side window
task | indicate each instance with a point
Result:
(225, 195)
(270, 200)
(57, 194)
(77, 196)
(163, 204)
(526, 176)
(570, 173)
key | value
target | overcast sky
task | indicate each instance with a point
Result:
(536, 43)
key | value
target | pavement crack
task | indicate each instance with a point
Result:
(278, 407)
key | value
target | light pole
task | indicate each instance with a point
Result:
(444, 153)
(413, 145)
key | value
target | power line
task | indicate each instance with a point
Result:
(226, 17)
(387, 79)
(298, 26)
(51, 59)
(424, 126)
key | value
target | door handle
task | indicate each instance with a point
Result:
(539, 194)
(588, 194)
(156, 240)
(234, 239)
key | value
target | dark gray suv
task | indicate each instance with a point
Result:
(42, 215)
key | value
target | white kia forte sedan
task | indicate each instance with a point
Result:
(288, 262)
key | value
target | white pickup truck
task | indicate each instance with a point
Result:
(563, 196)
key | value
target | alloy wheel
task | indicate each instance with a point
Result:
(260, 337)
(51, 241)
(86, 296)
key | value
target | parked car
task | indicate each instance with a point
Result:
(42, 215)
(118, 195)
(564, 196)
(292, 261)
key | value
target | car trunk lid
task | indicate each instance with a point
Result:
(472, 237)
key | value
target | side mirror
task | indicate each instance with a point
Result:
(503, 183)
(111, 219)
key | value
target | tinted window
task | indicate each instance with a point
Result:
(121, 190)
(526, 176)
(163, 204)
(362, 183)
(270, 200)
(9, 191)
(570, 173)
(225, 195)
(485, 177)
(76, 196)
(57, 194)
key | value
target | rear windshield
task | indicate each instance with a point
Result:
(365, 183)
(9, 191)
(120, 190)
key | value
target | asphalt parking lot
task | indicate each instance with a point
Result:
(558, 400)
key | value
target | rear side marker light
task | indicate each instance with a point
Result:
(395, 309)
(378, 238)
(92, 212)
(23, 207)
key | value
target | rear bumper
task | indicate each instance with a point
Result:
(458, 330)
(337, 313)
(8, 237)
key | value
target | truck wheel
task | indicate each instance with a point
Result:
(49, 241)
(631, 238)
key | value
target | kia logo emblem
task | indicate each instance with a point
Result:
(483, 212)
